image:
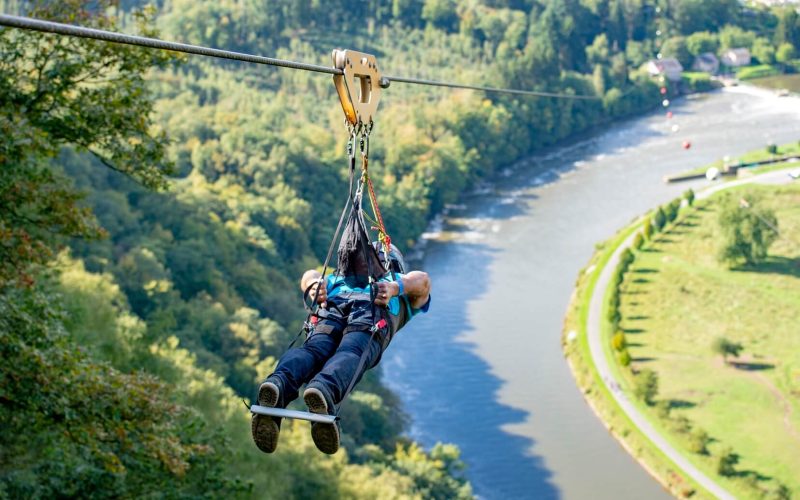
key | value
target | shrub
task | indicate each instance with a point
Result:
(618, 341)
(726, 461)
(725, 348)
(671, 212)
(772, 149)
(663, 408)
(638, 241)
(646, 386)
(648, 228)
(625, 358)
(698, 442)
(689, 197)
(659, 219)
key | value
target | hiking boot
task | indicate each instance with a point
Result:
(325, 436)
(266, 429)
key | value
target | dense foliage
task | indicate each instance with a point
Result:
(191, 295)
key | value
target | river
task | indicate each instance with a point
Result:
(484, 369)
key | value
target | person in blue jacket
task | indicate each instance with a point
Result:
(358, 318)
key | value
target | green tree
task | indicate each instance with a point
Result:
(702, 42)
(618, 341)
(624, 357)
(725, 348)
(747, 230)
(676, 47)
(785, 54)
(788, 28)
(763, 51)
(646, 386)
(659, 219)
(58, 91)
(726, 462)
(734, 37)
(699, 441)
(689, 196)
(648, 228)
(638, 241)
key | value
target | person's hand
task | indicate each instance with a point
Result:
(322, 296)
(385, 290)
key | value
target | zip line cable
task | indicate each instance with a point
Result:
(32, 24)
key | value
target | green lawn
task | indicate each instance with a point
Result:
(678, 298)
(788, 82)
(792, 148)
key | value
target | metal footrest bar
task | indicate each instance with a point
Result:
(294, 414)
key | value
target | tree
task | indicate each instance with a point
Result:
(699, 441)
(734, 37)
(785, 54)
(689, 196)
(725, 348)
(726, 461)
(618, 341)
(62, 91)
(747, 231)
(676, 47)
(625, 357)
(702, 42)
(646, 386)
(648, 228)
(788, 28)
(638, 241)
(659, 219)
(763, 51)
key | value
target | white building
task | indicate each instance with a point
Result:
(669, 67)
(736, 57)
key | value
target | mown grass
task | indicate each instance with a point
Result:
(677, 299)
(788, 82)
(593, 388)
(762, 154)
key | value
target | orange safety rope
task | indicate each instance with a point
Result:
(383, 235)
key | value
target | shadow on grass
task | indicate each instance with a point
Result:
(680, 404)
(773, 265)
(645, 270)
(652, 250)
(643, 359)
(641, 280)
(751, 366)
(637, 318)
(632, 331)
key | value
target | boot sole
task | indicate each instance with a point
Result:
(325, 436)
(268, 394)
(265, 433)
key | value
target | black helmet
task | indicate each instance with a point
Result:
(397, 263)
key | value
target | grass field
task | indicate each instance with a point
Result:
(677, 299)
(751, 157)
(778, 82)
(576, 350)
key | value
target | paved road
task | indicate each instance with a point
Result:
(593, 329)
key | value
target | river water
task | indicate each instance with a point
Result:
(484, 369)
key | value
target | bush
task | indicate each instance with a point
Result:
(626, 258)
(725, 348)
(689, 197)
(772, 149)
(671, 212)
(646, 386)
(618, 341)
(648, 229)
(659, 219)
(698, 82)
(726, 461)
(625, 358)
(698, 442)
(638, 241)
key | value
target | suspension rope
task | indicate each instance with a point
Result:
(32, 24)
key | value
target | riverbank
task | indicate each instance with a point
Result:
(606, 393)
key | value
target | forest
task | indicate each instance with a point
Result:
(157, 211)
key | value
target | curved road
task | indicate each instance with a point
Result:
(593, 331)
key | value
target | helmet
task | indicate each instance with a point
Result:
(397, 263)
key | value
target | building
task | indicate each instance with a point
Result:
(706, 62)
(736, 57)
(668, 67)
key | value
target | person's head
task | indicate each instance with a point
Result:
(397, 263)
